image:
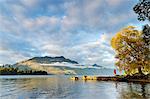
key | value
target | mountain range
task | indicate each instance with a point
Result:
(54, 65)
(49, 60)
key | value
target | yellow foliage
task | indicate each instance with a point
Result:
(128, 34)
(131, 50)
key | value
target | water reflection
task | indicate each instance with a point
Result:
(135, 91)
(55, 87)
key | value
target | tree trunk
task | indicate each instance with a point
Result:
(139, 70)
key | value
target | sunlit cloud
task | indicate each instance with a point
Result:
(77, 29)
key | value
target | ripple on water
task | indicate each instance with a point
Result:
(63, 88)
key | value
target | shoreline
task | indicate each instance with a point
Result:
(121, 79)
(113, 78)
(98, 78)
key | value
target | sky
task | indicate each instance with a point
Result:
(77, 29)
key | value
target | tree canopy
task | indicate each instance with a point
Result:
(132, 46)
(132, 52)
(143, 10)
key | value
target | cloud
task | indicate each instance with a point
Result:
(99, 52)
(9, 56)
(43, 23)
(29, 3)
(80, 30)
(114, 2)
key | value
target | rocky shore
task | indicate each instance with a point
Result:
(120, 78)
(123, 79)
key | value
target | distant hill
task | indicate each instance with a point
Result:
(49, 60)
(95, 65)
(56, 65)
(38, 63)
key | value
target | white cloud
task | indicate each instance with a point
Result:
(114, 2)
(94, 52)
(51, 50)
(30, 3)
(68, 28)
(10, 57)
(41, 23)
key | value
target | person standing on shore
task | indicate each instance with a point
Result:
(115, 72)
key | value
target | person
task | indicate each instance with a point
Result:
(115, 72)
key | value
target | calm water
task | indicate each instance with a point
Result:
(60, 87)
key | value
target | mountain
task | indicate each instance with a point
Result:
(58, 65)
(48, 64)
(49, 60)
(95, 65)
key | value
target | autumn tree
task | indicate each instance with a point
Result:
(142, 8)
(132, 52)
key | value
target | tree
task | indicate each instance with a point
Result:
(132, 51)
(143, 10)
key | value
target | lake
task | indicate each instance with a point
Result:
(61, 87)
